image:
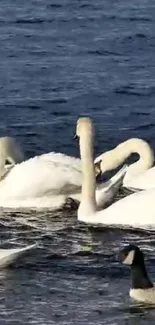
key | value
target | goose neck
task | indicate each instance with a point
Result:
(139, 277)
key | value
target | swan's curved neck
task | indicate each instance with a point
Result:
(135, 145)
(3, 171)
(88, 202)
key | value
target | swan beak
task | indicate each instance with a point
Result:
(75, 137)
(98, 170)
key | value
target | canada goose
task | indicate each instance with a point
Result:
(142, 288)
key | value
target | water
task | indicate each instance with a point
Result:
(60, 60)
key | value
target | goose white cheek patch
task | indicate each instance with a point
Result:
(129, 259)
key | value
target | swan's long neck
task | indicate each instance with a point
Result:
(144, 151)
(125, 149)
(88, 202)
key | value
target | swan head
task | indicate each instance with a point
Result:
(84, 126)
(98, 170)
(107, 161)
(11, 150)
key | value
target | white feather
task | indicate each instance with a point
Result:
(45, 181)
(136, 210)
(141, 174)
(9, 256)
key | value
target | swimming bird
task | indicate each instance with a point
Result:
(142, 287)
(140, 175)
(10, 154)
(136, 210)
(46, 181)
(10, 256)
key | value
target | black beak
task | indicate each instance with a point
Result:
(7, 162)
(75, 137)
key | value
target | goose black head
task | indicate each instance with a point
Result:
(131, 254)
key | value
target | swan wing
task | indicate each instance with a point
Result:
(9, 256)
(61, 158)
(107, 191)
(39, 177)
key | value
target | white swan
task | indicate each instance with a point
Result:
(136, 210)
(10, 256)
(139, 175)
(10, 154)
(46, 181)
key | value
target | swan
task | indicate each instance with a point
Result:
(46, 181)
(142, 288)
(10, 256)
(139, 175)
(10, 153)
(136, 210)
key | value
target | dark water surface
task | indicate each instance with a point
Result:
(59, 60)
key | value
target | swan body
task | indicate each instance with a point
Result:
(38, 178)
(142, 289)
(10, 256)
(41, 182)
(141, 174)
(44, 181)
(136, 210)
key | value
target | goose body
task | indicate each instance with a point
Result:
(141, 174)
(142, 288)
(46, 181)
(136, 210)
(10, 256)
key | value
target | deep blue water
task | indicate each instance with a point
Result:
(60, 60)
